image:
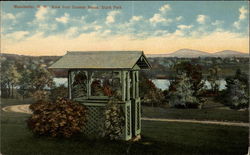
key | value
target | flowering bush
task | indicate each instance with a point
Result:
(61, 118)
(114, 120)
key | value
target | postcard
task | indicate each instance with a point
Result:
(124, 77)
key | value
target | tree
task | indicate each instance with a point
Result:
(236, 95)
(192, 73)
(213, 79)
(151, 94)
(182, 94)
(9, 77)
(41, 77)
(25, 82)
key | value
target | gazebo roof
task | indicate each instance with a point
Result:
(103, 60)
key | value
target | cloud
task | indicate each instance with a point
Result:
(18, 35)
(236, 24)
(242, 16)
(111, 16)
(44, 20)
(43, 13)
(165, 8)
(158, 18)
(201, 19)
(243, 13)
(64, 19)
(179, 18)
(217, 22)
(72, 31)
(182, 27)
(42, 45)
(8, 16)
(136, 18)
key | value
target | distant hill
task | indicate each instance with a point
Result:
(230, 53)
(190, 53)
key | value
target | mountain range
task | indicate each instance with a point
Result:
(190, 53)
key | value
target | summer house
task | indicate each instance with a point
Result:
(95, 76)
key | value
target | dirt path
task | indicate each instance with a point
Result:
(25, 109)
(197, 121)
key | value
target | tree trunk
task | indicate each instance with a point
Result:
(8, 94)
(12, 89)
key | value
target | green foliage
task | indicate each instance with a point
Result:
(41, 77)
(150, 94)
(213, 78)
(114, 120)
(183, 94)
(237, 94)
(57, 92)
(187, 88)
(62, 118)
(9, 77)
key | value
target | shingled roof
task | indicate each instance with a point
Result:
(102, 60)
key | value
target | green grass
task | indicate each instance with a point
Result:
(198, 114)
(157, 137)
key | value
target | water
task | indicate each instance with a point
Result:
(162, 84)
(61, 81)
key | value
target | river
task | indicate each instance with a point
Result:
(162, 84)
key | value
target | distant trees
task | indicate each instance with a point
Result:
(213, 79)
(9, 78)
(26, 77)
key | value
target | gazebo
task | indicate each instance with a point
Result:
(91, 77)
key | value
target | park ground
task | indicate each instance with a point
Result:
(157, 137)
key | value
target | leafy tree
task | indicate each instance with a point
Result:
(151, 95)
(25, 82)
(213, 78)
(237, 93)
(9, 77)
(190, 76)
(182, 94)
(41, 77)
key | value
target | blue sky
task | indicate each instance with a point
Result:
(155, 27)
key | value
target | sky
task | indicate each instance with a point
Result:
(159, 27)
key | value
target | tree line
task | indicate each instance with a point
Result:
(187, 88)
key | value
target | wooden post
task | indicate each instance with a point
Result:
(137, 84)
(123, 85)
(128, 86)
(69, 84)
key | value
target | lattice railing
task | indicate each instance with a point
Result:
(95, 119)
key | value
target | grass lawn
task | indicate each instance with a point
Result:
(158, 138)
(198, 114)
(212, 110)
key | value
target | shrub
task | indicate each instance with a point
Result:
(114, 120)
(150, 94)
(62, 118)
(57, 92)
(236, 95)
(154, 98)
(41, 95)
